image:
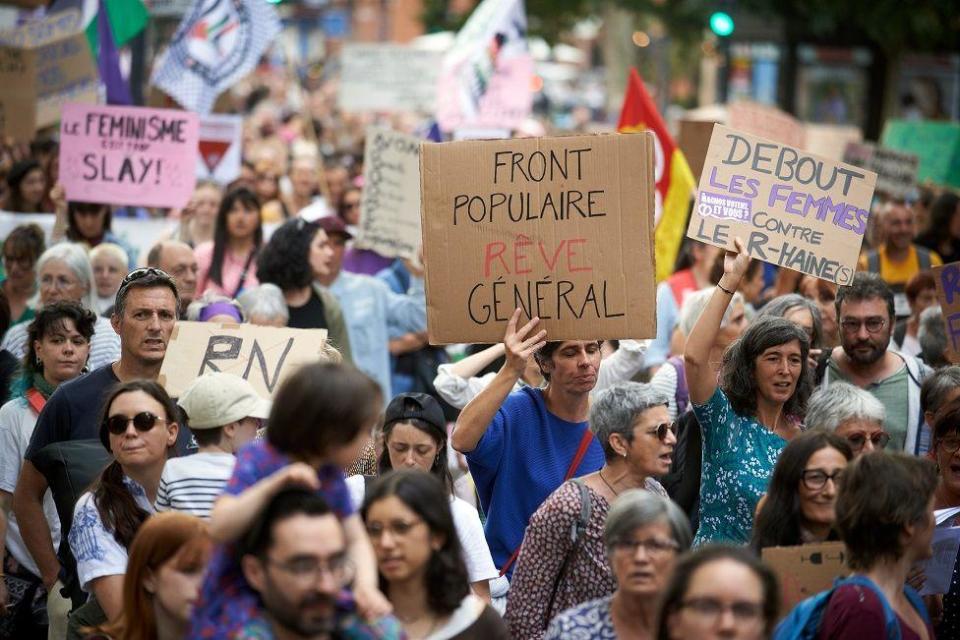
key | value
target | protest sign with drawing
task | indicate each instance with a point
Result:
(947, 279)
(128, 155)
(806, 570)
(390, 202)
(560, 227)
(218, 148)
(44, 64)
(263, 356)
(791, 208)
(388, 77)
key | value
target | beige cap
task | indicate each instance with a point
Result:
(217, 399)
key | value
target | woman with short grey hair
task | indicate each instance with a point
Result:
(799, 310)
(637, 520)
(852, 413)
(64, 273)
(265, 305)
(563, 560)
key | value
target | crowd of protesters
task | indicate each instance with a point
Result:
(528, 489)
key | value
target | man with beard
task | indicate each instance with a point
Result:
(295, 558)
(865, 314)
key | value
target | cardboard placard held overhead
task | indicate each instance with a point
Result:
(896, 171)
(560, 227)
(791, 208)
(263, 356)
(947, 278)
(44, 64)
(765, 121)
(388, 77)
(128, 155)
(218, 148)
(806, 570)
(390, 202)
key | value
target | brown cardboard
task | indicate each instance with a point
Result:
(765, 121)
(43, 65)
(390, 202)
(693, 141)
(587, 270)
(896, 171)
(806, 570)
(264, 356)
(791, 208)
(947, 278)
(829, 140)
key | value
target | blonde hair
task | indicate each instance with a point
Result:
(110, 250)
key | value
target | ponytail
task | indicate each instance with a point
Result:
(117, 507)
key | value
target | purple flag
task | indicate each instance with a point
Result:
(108, 62)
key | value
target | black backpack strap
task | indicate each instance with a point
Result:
(873, 261)
(923, 257)
(577, 531)
(822, 363)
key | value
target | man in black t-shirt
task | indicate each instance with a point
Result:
(143, 317)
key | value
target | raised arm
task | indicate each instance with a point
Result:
(701, 379)
(519, 345)
(477, 362)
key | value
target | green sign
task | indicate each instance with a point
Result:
(937, 144)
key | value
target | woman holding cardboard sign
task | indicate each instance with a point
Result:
(750, 415)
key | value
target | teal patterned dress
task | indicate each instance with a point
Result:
(739, 454)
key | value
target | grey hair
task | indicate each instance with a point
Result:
(266, 301)
(75, 257)
(639, 508)
(932, 336)
(616, 409)
(696, 302)
(780, 306)
(830, 406)
(197, 306)
(110, 250)
(937, 387)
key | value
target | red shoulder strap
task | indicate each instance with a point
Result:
(36, 400)
(577, 459)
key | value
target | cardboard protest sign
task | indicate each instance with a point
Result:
(806, 570)
(947, 278)
(128, 155)
(936, 143)
(263, 356)
(218, 148)
(560, 227)
(765, 121)
(693, 140)
(390, 202)
(896, 171)
(829, 140)
(387, 77)
(44, 64)
(790, 208)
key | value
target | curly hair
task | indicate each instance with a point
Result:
(285, 259)
(738, 372)
(778, 523)
(445, 579)
(48, 320)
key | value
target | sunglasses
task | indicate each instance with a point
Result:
(143, 421)
(879, 439)
(663, 428)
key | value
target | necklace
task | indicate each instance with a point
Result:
(609, 486)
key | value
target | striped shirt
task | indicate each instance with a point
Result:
(104, 345)
(191, 484)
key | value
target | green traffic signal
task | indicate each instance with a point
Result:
(721, 23)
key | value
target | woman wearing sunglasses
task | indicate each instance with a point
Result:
(852, 413)
(139, 427)
(799, 505)
(563, 560)
(747, 416)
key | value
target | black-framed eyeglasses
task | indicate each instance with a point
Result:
(873, 325)
(141, 273)
(663, 428)
(857, 440)
(142, 422)
(710, 609)
(816, 479)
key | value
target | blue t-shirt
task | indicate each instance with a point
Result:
(739, 454)
(520, 460)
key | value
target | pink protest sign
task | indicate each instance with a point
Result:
(128, 155)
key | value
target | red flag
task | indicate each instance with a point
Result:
(672, 175)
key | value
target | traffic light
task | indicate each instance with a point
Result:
(721, 23)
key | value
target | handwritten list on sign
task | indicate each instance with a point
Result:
(791, 208)
(390, 202)
(559, 227)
